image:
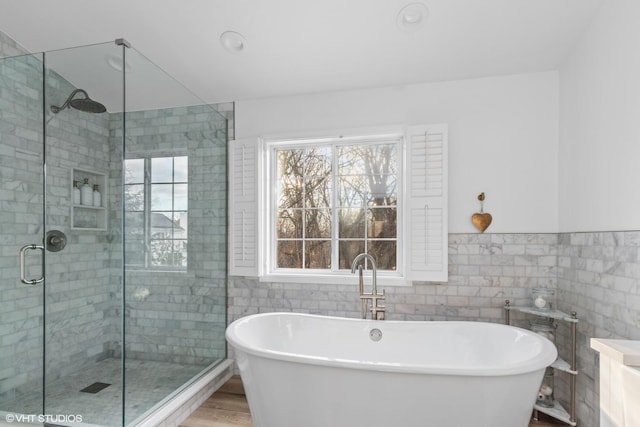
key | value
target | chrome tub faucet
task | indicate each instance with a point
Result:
(377, 311)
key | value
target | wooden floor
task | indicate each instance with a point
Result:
(228, 408)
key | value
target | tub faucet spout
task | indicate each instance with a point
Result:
(377, 310)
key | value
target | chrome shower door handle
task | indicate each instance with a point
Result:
(23, 252)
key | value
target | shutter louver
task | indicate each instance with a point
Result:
(427, 203)
(244, 207)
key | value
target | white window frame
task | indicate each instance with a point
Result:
(272, 273)
(147, 215)
(422, 206)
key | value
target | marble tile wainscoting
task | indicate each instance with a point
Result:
(595, 274)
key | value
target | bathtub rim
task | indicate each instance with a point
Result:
(547, 355)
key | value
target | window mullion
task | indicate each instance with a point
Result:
(173, 209)
(335, 244)
(147, 212)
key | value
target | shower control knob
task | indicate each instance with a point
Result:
(55, 241)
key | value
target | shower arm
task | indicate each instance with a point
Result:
(57, 109)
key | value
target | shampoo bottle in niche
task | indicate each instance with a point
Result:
(86, 193)
(97, 197)
(76, 193)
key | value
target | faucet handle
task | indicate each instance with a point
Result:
(378, 312)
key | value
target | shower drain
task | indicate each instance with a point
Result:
(94, 388)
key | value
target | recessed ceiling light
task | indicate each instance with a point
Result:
(233, 42)
(412, 17)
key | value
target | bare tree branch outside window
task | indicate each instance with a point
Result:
(352, 188)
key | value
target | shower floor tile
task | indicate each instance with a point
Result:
(147, 383)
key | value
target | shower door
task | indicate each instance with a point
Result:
(60, 298)
(83, 358)
(21, 211)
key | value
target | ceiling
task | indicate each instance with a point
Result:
(300, 46)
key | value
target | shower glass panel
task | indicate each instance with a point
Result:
(21, 213)
(82, 293)
(120, 172)
(174, 193)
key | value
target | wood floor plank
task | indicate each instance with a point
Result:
(233, 386)
(232, 402)
(206, 417)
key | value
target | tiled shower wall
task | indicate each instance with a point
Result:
(9, 47)
(179, 316)
(595, 274)
(78, 277)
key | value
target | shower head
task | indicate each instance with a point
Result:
(85, 104)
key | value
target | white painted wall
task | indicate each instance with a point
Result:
(503, 136)
(600, 124)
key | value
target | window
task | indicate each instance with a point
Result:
(333, 201)
(156, 212)
(301, 210)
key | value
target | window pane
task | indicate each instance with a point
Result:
(181, 169)
(161, 197)
(134, 171)
(382, 222)
(318, 254)
(180, 253)
(162, 225)
(351, 223)
(317, 223)
(289, 254)
(317, 192)
(384, 252)
(367, 175)
(290, 163)
(169, 253)
(353, 191)
(382, 189)
(348, 251)
(181, 197)
(351, 161)
(290, 224)
(290, 169)
(162, 169)
(180, 225)
(134, 197)
(317, 162)
(290, 192)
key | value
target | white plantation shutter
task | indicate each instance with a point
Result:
(244, 207)
(426, 205)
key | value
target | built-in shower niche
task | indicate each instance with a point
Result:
(88, 214)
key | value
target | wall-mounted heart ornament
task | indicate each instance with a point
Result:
(481, 220)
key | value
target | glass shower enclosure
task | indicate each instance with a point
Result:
(113, 231)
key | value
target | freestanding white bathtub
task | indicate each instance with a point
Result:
(303, 370)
